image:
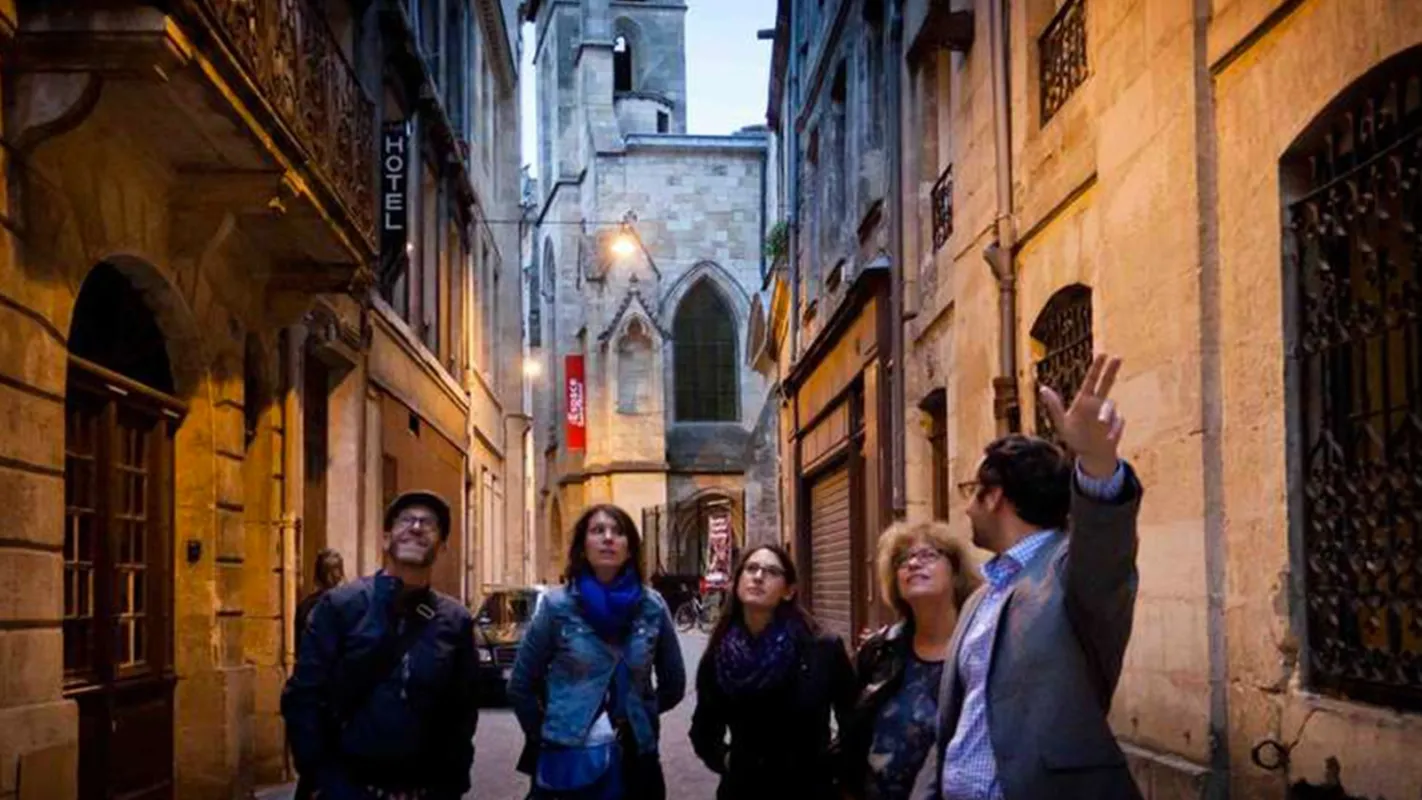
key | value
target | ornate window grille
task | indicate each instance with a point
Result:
(943, 208)
(1352, 272)
(1063, 334)
(1062, 51)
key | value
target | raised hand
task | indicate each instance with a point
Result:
(1091, 427)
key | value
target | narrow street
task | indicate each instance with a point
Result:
(496, 748)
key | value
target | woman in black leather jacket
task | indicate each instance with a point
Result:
(923, 574)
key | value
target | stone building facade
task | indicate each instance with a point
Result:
(200, 383)
(647, 253)
(1215, 191)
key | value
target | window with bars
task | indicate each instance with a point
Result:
(704, 349)
(943, 208)
(1353, 279)
(1061, 50)
(1062, 342)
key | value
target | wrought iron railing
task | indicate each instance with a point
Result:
(294, 60)
(1062, 50)
(943, 208)
(1351, 255)
(1064, 331)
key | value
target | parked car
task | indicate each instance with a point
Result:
(498, 629)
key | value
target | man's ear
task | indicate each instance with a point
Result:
(995, 499)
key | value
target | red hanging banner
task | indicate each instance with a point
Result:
(576, 399)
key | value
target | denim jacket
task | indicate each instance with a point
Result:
(563, 671)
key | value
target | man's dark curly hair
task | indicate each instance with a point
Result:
(1034, 474)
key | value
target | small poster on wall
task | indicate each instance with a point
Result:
(718, 549)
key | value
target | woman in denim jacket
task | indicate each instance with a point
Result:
(582, 686)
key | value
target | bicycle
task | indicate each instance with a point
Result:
(698, 613)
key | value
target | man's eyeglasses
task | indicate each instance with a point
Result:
(410, 521)
(919, 555)
(768, 570)
(970, 489)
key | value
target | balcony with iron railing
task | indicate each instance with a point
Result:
(251, 105)
(289, 53)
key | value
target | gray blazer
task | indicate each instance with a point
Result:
(1055, 664)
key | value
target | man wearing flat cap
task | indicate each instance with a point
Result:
(381, 705)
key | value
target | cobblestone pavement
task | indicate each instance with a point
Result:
(497, 745)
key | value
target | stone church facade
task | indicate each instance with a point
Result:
(646, 258)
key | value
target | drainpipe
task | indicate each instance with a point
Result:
(893, 71)
(1000, 254)
(791, 143)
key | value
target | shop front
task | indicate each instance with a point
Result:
(838, 404)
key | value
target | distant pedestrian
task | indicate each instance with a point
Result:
(1039, 648)
(330, 572)
(924, 576)
(583, 683)
(770, 679)
(381, 705)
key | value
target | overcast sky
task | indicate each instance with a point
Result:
(727, 69)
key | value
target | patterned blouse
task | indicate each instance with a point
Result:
(904, 731)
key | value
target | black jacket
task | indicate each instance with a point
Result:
(780, 739)
(356, 713)
(879, 672)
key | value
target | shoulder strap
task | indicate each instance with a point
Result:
(392, 651)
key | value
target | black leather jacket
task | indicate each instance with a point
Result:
(878, 672)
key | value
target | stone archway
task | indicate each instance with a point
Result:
(139, 381)
(121, 418)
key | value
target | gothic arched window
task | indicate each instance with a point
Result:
(1062, 342)
(1352, 273)
(621, 64)
(707, 381)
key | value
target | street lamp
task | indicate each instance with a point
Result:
(532, 367)
(623, 244)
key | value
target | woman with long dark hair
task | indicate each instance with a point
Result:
(770, 678)
(582, 685)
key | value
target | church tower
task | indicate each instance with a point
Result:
(646, 261)
(609, 67)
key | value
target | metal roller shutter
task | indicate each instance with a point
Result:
(830, 553)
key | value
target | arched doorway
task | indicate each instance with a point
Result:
(120, 421)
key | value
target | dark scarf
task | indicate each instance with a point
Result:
(746, 663)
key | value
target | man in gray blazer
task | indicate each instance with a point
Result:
(1038, 649)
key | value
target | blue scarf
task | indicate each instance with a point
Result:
(609, 608)
(746, 663)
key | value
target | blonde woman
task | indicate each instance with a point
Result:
(925, 577)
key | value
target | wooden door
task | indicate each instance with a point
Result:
(117, 584)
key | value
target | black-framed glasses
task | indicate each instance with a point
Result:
(412, 521)
(768, 570)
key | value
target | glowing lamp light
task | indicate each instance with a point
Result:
(532, 367)
(623, 245)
